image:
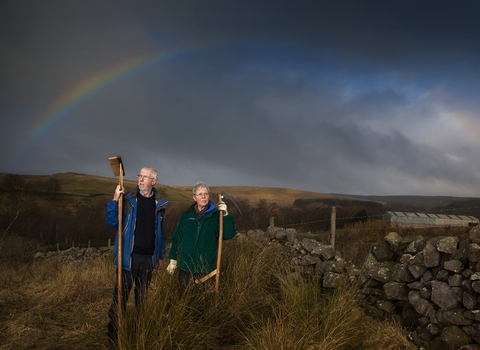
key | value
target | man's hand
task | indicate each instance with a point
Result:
(118, 191)
(159, 265)
(222, 206)
(172, 266)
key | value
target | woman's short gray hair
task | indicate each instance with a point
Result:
(200, 185)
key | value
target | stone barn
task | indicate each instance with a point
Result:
(402, 219)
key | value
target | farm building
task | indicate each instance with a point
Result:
(398, 218)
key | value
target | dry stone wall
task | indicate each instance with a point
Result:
(430, 287)
(76, 255)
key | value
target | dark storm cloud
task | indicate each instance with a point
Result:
(368, 97)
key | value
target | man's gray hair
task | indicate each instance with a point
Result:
(200, 185)
(153, 171)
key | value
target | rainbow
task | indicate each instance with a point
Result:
(62, 105)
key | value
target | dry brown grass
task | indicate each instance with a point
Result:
(46, 305)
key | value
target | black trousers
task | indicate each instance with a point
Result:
(186, 282)
(140, 276)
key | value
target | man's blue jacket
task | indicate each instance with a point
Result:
(129, 223)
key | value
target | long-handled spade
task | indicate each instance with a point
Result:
(220, 241)
(118, 170)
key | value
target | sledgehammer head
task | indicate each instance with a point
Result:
(115, 163)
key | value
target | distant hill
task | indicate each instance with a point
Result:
(424, 201)
(83, 186)
(273, 195)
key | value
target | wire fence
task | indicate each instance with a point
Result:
(342, 242)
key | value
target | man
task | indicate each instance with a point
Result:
(195, 240)
(143, 238)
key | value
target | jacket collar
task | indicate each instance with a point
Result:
(211, 208)
(159, 197)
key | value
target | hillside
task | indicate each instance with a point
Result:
(81, 187)
(423, 201)
(273, 195)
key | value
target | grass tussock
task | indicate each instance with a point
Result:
(259, 305)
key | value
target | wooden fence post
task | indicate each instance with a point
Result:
(332, 227)
(109, 242)
(272, 221)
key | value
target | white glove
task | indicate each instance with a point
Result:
(222, 206)
(172, 266)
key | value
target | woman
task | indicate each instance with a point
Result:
(195, 240)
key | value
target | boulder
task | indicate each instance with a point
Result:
(308, 260)
(473, 252)
(475, 234)
(447, 245)
(383, 271)
(454, 266)
(332, 280)
(444, 296)
(422, 306)
(292, 236)
(431, 254)
(382, 252)
(454, 337)
(415, 247)
(401, 273)
(396, 291)
(455, 317)
(309, 244)
(326, 252)
(473, 331)
(393, 239)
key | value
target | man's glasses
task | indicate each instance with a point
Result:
(143, 177)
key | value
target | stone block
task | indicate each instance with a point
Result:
(454, 337)
(382, 252)
(383, 271)
(421, 306)
(393, 239)
(473, 252)
(396, 291)
(401, 273)
(473, 331)
(326, 252)
(470, 301)
(454, 266)
(447, 244)
(455, 280)
(456, 317)
(444, 296)
(431, 254)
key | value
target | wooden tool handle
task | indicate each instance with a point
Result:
(220, 241)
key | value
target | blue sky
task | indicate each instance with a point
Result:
(354, 97)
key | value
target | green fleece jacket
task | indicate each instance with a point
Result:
(195, 241)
